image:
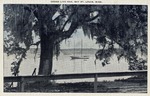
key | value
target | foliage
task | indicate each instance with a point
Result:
(111, 25)
(123, 26)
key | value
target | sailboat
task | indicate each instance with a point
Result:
(79, 57)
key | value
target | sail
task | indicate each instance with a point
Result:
(79, 57)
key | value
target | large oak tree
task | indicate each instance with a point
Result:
(125, 26)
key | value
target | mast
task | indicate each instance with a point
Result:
(74, 48)
(81, 47)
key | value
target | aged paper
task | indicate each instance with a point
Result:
(80, 2)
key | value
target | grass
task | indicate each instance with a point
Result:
(86, 87)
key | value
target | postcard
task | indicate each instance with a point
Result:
(65, 47)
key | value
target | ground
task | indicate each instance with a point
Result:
(118, 86)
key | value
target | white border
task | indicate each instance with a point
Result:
(106, 2)
(84, 1)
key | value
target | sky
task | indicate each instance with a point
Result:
(76, 39)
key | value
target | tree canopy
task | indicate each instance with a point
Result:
(125, 26)
(111, 25)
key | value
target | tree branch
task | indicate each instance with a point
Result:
(116, 41)
(66, 34)
(37, 43)
(67, 21)
(72, 28)
(91, 19)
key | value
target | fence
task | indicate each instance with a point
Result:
(23, 79)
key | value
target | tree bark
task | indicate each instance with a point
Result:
(46, 57)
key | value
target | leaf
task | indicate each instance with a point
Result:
(103, 64)
(86, 30)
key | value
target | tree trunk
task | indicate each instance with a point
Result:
(46, 57)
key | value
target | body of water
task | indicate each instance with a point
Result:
(65, 65)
